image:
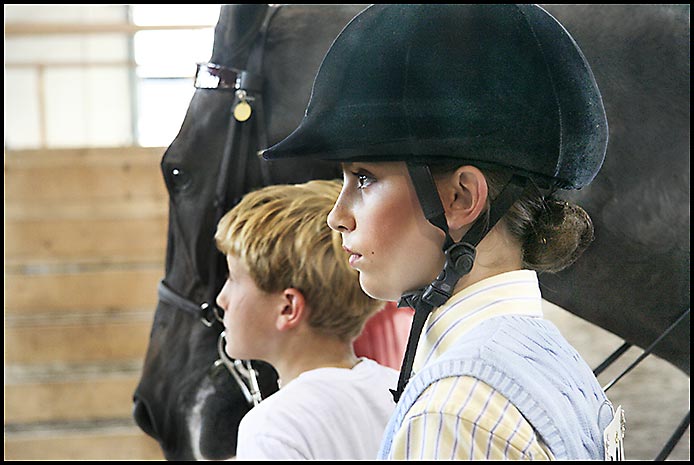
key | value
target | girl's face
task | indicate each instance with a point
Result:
(390, 242)
(248, 318)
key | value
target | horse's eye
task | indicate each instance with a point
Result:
(180, 180)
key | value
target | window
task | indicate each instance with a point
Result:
(101, 75)
(165, 62)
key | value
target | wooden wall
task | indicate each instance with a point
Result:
(85, 240)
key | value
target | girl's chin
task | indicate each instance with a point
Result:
(376, 290)
(381, 290)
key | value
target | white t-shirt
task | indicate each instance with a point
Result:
(323, 414)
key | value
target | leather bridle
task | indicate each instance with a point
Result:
(247, 88)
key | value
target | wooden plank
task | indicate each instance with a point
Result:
(95, 209)
(95, 397)
(85, 205)
(140, 240)
(82, 177)
(75, 183)
(111, 339)
(95, 444)
(88, 154)
(33, 29)
(118, 290)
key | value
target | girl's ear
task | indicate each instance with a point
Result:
(292, 309)
(464, 197)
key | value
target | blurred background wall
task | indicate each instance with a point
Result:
(93, 95)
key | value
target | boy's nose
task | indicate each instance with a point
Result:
(222, 298)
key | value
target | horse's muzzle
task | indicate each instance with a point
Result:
(143, 417)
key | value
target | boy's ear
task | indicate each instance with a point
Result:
(293, 309)
(464, 197)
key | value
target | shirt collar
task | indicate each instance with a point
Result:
(510, 293)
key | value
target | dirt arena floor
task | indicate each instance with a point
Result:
(654, 395)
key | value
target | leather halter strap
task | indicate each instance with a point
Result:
(231, 182)
(218, 77)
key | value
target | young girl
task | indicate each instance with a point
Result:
(455, 125)
(292, 300)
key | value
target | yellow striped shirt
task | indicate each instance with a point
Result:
(462, 418)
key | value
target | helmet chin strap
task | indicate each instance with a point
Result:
(460, 256)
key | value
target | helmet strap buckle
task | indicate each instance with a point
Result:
(460, 257)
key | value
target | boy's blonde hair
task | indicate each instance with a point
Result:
(281, 234)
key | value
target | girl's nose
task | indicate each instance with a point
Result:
(339, 218)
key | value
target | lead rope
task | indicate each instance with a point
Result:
(242, 371)
(684, 424)
(645, 353)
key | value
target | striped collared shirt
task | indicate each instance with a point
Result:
(461, 417)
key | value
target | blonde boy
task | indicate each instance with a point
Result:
(292, 300)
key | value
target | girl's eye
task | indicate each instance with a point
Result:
(363, 180)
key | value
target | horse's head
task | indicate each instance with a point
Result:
(180, 387)
(186, 402)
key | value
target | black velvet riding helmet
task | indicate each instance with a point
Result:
(498, 84)
(501, 86)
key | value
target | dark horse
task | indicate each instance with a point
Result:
(633, 281)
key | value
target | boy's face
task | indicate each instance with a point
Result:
(390, 242)
(248, 318)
